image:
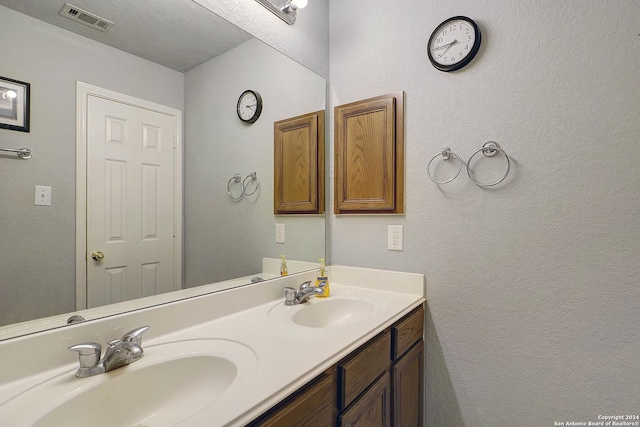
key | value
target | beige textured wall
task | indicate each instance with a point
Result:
(532, 285)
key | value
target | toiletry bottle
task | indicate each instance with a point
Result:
(283, 266)
(323, 281)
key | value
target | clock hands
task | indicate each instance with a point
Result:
(447, 46)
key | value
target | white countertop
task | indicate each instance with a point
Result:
(287, 355)
(270, 270)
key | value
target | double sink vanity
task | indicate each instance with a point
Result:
(234, 358)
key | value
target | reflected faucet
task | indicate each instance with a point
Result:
(293, 297)
(120, 352)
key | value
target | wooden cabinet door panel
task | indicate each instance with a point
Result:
(372, 408)
(299, 164)
(407, 383)
(368, 158)
(369, 155)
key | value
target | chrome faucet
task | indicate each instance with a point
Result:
(293, 297)
(120, 352)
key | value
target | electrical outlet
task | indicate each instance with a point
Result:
(279, 233)
(395, 238)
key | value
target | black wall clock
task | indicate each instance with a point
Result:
(249, 106)
(454, 43)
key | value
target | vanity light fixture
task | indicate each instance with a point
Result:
(286, 12)
(9, 95)
(293, 5)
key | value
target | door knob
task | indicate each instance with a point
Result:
(97, 255)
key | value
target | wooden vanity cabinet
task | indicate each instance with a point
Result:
(359, 370)
(378, 385)
(407, 388)
(372, 408)
(407, 373)
(313, 405)
(364, 386)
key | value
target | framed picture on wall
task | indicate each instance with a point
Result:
(14, 105)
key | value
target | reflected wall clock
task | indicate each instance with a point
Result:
(249, 106)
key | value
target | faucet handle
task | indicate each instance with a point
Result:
(88, 353)
(305, 285)
(135, 336)
(289, 296)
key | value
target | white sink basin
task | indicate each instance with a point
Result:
(171, 383)
(337, 310)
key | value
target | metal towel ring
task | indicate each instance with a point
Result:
(235, 179)
(489, 149)
(445, 153)
(254, 176)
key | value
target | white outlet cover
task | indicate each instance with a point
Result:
(279, 233)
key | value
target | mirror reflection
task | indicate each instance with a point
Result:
(184, 59)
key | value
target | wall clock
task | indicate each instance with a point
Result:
(249, 106)
(454, 43)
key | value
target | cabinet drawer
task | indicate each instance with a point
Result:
(406, 332)
(357, 372)
(311, 406)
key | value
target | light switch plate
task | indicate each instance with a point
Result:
(42, 196)
(279, 233)
(395, 238)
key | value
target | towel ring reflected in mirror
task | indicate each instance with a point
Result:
(235, 179)
(253, 176)
(446, 154)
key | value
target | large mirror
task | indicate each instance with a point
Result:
(173, 53)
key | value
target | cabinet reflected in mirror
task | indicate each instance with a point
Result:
(299, 164)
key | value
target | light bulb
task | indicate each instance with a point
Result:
(10, 94)
(299, 4)
(294, 5)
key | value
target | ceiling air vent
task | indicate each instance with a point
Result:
(86, 18)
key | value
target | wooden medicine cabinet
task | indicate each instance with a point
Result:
(299, 165)
(369, 156)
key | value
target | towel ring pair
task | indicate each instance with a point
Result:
(237, 179)
(489, 149)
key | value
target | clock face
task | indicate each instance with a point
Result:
(454, 43)
(249, 106)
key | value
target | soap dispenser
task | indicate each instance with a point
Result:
(283, 267)
(323, 281)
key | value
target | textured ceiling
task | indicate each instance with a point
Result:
(179, 34)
